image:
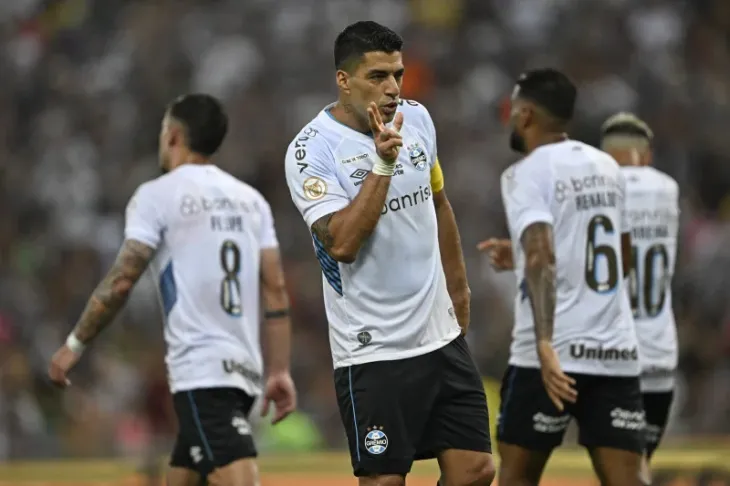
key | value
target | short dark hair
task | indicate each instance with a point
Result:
(204, 119)
(362, 37)
(550, 89)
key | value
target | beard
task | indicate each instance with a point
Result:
(517, 142)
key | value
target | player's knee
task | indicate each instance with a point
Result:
(482, 472)
(242, 472)
(510, 476)
(479, 472)
(389, 480)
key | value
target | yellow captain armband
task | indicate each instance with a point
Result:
(437, 178)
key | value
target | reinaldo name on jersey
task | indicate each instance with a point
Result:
(580, 191)
(391, 303)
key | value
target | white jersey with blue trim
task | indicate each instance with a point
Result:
(208, 229)
(392, 302)
(652, 207)
(580, 191)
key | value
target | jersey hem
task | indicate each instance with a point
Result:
(202, 385)
(394, 356)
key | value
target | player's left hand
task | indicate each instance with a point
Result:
(280, 390)
(61, 364)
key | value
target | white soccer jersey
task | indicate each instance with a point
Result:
(580, 191)
(209, 229)
(392, 302)
(652, 208)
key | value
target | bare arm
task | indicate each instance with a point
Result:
(277, 326)
(343, 233)
(452, 259)
(537, 242)
(113, 291)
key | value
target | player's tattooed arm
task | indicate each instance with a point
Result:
(452, 259)
(113, 291)
(343, 233)
(321, 230)
(540, 277)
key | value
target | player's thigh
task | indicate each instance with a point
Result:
(656, 409)
(182, 476)
(616, 467)
(610, 413)
(242, 472)
(384, 407)
(459, 418)
(527, 417)
(213, 428)
(457, 431)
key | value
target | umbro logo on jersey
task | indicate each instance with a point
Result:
(359, 176)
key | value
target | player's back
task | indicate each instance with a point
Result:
(584, 194)
(652, 209)
(207, 267)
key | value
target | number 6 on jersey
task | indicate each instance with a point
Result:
(230, 285)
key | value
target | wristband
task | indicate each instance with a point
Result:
(383, 168)
(74, 344)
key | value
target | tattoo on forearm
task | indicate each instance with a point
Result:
(112, 292)
(540, 275)
(321, 230)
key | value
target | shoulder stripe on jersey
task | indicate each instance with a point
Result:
(330, 268)
(168, 289)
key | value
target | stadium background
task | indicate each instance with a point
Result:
(84, 84)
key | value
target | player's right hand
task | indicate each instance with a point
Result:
(388, 141)
(500, 253)
(280, 390)
(558, 385)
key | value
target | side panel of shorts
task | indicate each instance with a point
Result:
(460, 418)
(610, 413)
(656, 408)
(527, 416)
(213, 428)
(384, 406)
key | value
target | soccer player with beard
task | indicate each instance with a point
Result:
(574, 350)
(365, 175)
(210, 242)
(652, 207)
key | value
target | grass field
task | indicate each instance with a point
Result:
(568, 467)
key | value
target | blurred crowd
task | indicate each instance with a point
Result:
(85, 84)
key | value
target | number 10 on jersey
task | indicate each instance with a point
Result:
(651, 284)
(230, 256)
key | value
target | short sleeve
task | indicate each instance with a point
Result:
(625, 223)
(312, 180)
(143, 221)
(268, 230)
(526, 194)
